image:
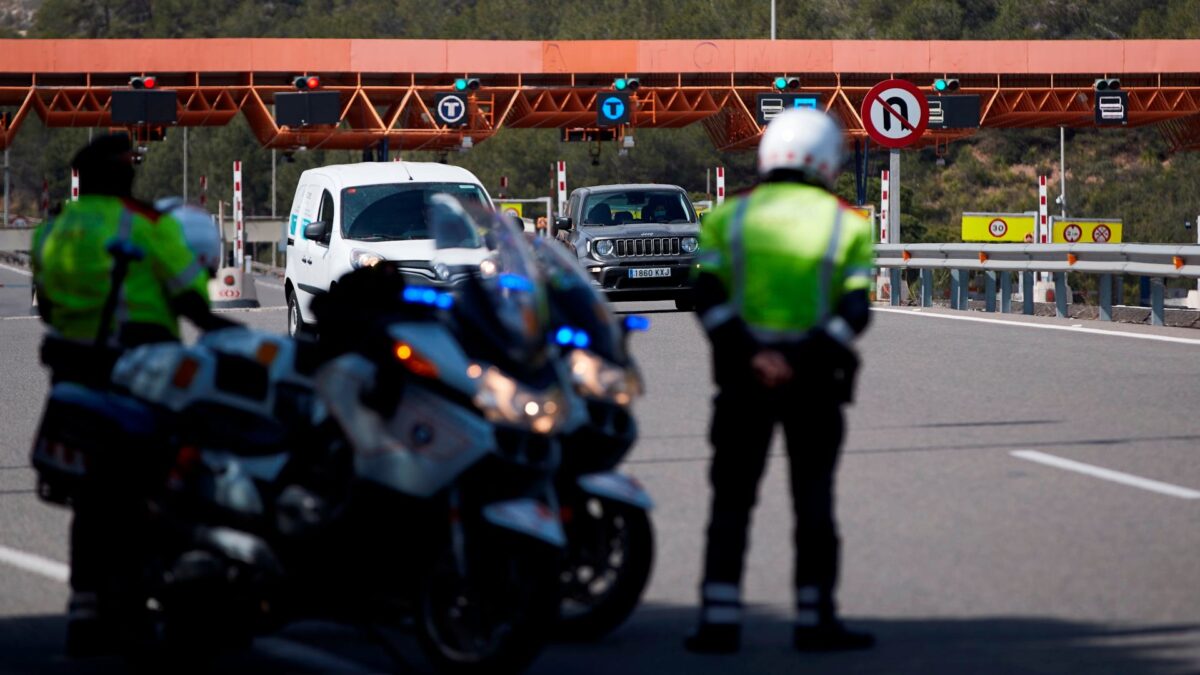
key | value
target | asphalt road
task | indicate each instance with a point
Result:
(959, 555)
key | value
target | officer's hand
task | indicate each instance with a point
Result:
(771, 368)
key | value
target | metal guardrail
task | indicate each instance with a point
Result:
(1157, 261)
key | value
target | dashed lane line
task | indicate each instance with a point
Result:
(51, 569)
(1107, 474)
(1043, 326)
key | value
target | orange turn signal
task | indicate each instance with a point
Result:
(413, 361)
(266, 353)
(185, 372)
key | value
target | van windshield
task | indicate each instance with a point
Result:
(637, 206)
(396, 211)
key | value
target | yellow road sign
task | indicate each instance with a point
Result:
(997, 227)
(511, 208)
(1085, 231)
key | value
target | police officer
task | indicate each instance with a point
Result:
(781, 291)
(73, 265)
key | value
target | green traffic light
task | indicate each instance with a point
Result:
(781, 83)
(939, 85)
(460, 84)
(620, 83)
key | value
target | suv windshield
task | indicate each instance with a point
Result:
(637, 206)
(397, 211)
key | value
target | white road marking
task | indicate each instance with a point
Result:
(18, 318)
(29, 562)
(1045, 326)
(1107, 474)
(18, 270)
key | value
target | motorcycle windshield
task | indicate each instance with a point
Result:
(503, 301)
(576, 306)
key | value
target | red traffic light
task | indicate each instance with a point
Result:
(143, 82)
(307, 82)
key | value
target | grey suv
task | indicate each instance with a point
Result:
(637, 241)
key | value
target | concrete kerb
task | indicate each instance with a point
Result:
(1176, 318)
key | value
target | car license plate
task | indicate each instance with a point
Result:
(649, 272)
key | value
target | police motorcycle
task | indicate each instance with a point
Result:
(453, 399)
(610, 539)
(449, 456)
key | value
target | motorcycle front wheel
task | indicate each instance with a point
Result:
(610, 552)
(493, 619)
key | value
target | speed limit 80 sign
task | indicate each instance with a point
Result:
(895, 113)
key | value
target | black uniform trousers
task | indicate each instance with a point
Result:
(744, 419)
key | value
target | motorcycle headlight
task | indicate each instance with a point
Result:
(360, 258)
(598, 379)
(504, 400)
(689, 244)
(604, 247)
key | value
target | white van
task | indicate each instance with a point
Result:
(352, 215)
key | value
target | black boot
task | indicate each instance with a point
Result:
(87, 634)
(830, 636)
(715, 638)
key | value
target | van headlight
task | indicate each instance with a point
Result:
(504, 400)
(360, 258)
(604, 247)
(689, 244)
(596, 378)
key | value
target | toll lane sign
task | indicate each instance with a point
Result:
(769, 106)
(613, 108)
(450, 109)
(895, 113)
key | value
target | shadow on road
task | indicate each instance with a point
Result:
(651, 644)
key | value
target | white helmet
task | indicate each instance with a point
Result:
(803, 140)
(198, 229)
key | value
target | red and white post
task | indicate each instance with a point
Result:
(561, 181)
(883, 284)
(239, 233)
(720, 185)
(1044, 234)
(74, 185)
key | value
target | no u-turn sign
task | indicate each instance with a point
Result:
(895, 113)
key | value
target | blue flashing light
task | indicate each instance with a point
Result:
(581, 340)
(445, 301)
(515, 282)
(564, 336)
(429, 296)
(412, 294)
(635, 322)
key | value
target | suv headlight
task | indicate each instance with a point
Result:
(689, 244)
(360, 258)
(596, 378)
(503, 399)
(604, 247)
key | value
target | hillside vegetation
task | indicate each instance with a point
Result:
(1110, 173)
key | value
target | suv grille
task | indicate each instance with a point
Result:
(645, 246)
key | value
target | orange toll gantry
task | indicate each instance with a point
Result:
(387, 87)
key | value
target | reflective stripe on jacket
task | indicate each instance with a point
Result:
(786, 254)
(72, 267)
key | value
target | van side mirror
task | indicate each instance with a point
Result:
(562, 223)
(317, 231)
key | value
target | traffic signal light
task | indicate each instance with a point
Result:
(306, 82)
(1107, 84)
(942, 85)
(784, 83)
(626, 84)
(466, 84)
(143, 82)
